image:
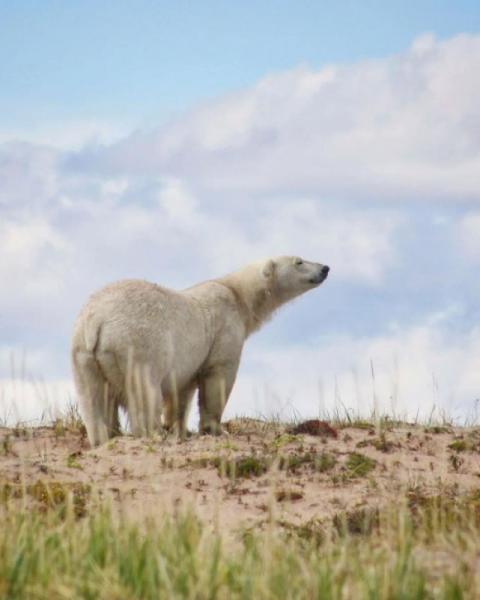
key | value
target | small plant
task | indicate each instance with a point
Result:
(72, 461)
(283, 440)
(317, 462)
(359, 465)
(19, 431)
(458, 446)
(313, 532)
(51, 495)
(70, 421)
(293, 462)
(325, 462)
(362, 521)
(285, 495)
(437, 429)
(226, 445)
(380, 443)
(6, 445)
(10, 490)
(59, 428)
(198, 463)
(456, 461)
(126, 473)
(56, 495)
(243, 466)
(360, 424)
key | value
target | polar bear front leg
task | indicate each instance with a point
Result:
(183, 408)
(214, 389)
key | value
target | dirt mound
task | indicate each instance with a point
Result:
(259, 471)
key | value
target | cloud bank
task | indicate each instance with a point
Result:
(396, 128)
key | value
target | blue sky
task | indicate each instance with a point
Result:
(140, 62)
(175, 141)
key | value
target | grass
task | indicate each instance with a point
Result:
(425, 549)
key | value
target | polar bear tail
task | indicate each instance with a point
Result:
(97, 399)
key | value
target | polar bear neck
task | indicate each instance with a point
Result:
(255, 297)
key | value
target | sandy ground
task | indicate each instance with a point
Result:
(245, 478)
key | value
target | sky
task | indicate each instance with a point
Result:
(177, 141)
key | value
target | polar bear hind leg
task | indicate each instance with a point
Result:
(175, 410)
(98, 400)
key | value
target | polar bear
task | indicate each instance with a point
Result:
(148, 349)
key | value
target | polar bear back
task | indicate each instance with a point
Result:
(152, 323)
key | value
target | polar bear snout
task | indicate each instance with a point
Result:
(320, 275)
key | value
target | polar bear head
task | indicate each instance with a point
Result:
(290, 276)
(262, 287)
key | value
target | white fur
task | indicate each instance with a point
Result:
(148, 349)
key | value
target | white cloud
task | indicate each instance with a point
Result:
(82, 231)
(67, 134)
(28, 176)
(402, 127)
(415, 371)
(35, 257)
(468, 235)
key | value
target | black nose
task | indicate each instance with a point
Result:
(325, 270)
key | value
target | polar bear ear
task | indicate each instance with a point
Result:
(268, 269)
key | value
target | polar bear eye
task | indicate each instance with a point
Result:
(299, 262)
